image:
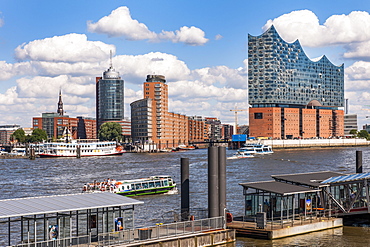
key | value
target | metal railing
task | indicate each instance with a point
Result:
(161, 231)
(277, 222)
(81, 241)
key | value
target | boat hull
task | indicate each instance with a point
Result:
(151, 191)
(43, 155)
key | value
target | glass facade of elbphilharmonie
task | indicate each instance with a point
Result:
(292, 96)
(280, 74)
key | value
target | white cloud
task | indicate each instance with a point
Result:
(223, 75)
(152, 63)
(120, 24)
(68, 48)
(358, 50)
(358, 71)
(218, 37)
(1, 22)
(337, 29)
(188, 35)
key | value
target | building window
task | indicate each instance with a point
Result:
(258, 115)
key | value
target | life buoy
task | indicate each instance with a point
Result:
(229, 218)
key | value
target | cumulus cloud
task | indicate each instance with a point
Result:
(358, 50)
(358, 71)
(120, 24)
(68, 48)
(188, 35)
(46, 87)
(337, 29)
(197, 90)
(151, 63)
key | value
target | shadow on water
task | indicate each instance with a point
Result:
(24, 178)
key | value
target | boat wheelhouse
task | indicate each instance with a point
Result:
(136, 187)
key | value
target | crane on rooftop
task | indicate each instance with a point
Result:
(236, 110)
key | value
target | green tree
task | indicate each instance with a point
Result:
(353, 132)
(38, 135)
(363, 134)
(110, 131)
(19, 135)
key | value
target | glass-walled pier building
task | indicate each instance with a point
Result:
(292, 96)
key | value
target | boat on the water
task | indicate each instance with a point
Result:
(185, 147)
(240, 155)
(136, 187)
(81, 148)
(256, 148)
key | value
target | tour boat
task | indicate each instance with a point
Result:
(79, 148)
(240, 155)
(136, 187)
(256, 148)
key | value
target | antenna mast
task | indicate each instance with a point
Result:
(111, 63)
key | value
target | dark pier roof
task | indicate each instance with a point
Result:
(278, 187)
(312, 179)
(62, 203)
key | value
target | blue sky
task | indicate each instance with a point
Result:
(200, 46)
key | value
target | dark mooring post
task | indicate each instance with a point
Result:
(78, 152)
(222, 180)
(213, 203)
(358, 161)
(185, 202)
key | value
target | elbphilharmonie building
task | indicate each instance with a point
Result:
(292, 96)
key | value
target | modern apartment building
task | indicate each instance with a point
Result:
(109, 97)
(150, 120)
(292, 96)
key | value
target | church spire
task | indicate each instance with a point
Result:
(60, 104)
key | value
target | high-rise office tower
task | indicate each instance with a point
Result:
(109, 97)
(290, 95)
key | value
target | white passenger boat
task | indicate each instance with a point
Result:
(81, 148)
(240, 155)
(136, 187)
(256, 148)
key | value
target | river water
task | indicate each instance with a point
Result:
(26, 178)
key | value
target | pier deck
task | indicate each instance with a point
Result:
(278, 229)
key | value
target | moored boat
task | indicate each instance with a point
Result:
(82, 148)
(136, 187)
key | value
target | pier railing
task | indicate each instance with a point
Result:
(161, 231)
(278, 221)
(77, 241)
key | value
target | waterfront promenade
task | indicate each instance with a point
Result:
(312, 143)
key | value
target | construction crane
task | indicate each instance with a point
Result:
(236, 118)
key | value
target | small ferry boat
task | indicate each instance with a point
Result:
(136, 187)
(80, 148)
(240, 155)
(256, 148)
